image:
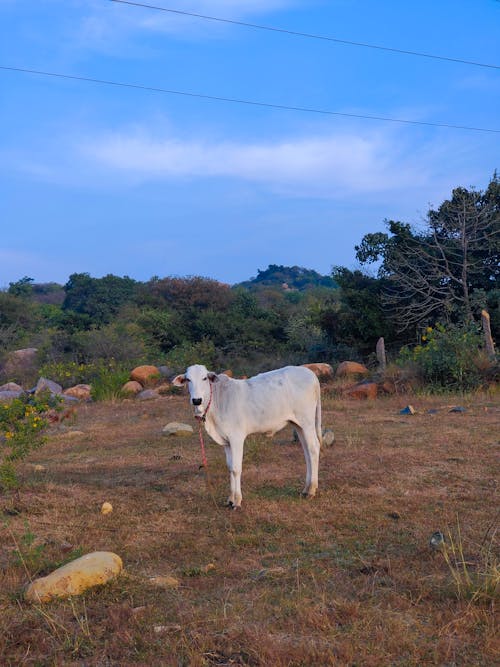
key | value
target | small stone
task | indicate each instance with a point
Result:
(79, 391)
(437, 540)
(132, 388)
(209, 567)
(164, 581)
(76, 577)
(106, 508)
(147, 395)
(177, 428)
(39, 468)
(328, 437)
(394, 515)
(458, 408)
(73, 434)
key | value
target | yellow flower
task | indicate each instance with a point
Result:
(9, 435)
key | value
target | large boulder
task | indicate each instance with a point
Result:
(146, 375)
(321, 370)
(9, 396)
(12, 386)
(45, 384)
(347, 368)
(76, 577)
(79, 391)
(21, 363)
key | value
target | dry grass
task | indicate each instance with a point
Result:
(346, 579)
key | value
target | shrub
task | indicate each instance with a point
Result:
(22, 423)
(186, 354)
(448, 357)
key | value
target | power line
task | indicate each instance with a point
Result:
(234, 100)
(296, 33)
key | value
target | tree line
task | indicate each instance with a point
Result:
(411, 279)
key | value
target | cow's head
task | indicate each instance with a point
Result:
(198, 381)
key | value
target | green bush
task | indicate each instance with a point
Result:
(186, 354)
(22, 423)
(107, 384)
(448, 357)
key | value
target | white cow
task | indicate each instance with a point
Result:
(232, 409)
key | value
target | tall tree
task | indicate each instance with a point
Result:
(446, 270)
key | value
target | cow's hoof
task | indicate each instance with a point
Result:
(307, 495)
(237, 508)
(229, 504)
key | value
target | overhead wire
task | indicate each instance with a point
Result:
(296, 33)
(234, 100)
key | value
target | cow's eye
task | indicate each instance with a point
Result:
(204, 379)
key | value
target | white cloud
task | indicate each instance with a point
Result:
(320, 165)
(107, 24)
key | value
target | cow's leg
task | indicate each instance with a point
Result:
(310, 445)
(236, 446)
(302, 440)
(229, 462)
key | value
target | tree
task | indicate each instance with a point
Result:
(445, 271)
(98, 298)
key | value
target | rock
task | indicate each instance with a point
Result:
(328, 437)
(68, 400)
(166, 371)
(147, 394)
(351, 368)
(8, 396)
(146, 375)
(164, 389)
(37, 467)
(394, 515)
(132, 387)
(44, 384)
(106, 508)
(387, 387)
(177, 428)
(12, 386)
(76, 577)
(437, 540)
(79, 391)
(458, 408)
(408, 410)
(228, 372)
(73, 434)
(362, 390)
(20, 362)
(164, 581)
(322, 371)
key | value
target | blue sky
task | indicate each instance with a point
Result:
(105, 179)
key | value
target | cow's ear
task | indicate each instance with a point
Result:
(212, 377)
(179, 380)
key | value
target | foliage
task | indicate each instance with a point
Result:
(293, 277)
(22, 423)
(108, 381)
(444, 271)
(186, 354)
(98, 298)
(480, 584)
(447, 357)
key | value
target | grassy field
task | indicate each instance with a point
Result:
(348, 578)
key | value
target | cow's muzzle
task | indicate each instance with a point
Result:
(196, 401)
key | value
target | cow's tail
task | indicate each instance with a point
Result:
(319, 431)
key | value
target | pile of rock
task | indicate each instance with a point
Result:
(80, 392)
(147, 382)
